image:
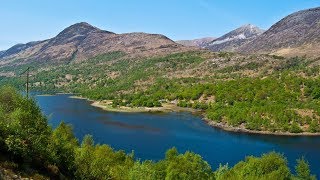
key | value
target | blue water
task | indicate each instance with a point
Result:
(149, 135)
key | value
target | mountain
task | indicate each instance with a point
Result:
(296, 34)
(196, 42)
(82, 41)
(18, 48)
(232, 40)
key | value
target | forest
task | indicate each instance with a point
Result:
(32, 148)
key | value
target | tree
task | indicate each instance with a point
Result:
(101, 161)
(186, 166)
(172, 153)
(27, 132)
(303, 170)
(64, 144)
(269, 166)
(143, 170)
(84, 157)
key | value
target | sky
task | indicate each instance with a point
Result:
(23, 21)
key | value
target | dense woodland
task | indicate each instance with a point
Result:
(35, 150)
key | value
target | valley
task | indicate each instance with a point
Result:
(145, 95)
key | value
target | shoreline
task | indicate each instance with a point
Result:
(44, 95)
(248, 131)
(166, 107)
(105, 105)
(171, 107)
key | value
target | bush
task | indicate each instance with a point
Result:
(314, 127)
(295, 128)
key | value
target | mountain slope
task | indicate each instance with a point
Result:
(18, 48)
(196, 42)
(296, 34)
(234, 39)
(82, 41)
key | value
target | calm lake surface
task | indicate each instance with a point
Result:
(151, 134)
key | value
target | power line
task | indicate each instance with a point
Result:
(27, 84)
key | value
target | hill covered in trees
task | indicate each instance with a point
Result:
(253, 92)
(30, 148)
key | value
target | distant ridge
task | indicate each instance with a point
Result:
(196, 42)
(234, 39)
(81, 41)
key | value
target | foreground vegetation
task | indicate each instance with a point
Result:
(32, 147)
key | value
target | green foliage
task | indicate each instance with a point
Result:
(295, 128)
(266, 101)
(221, 171)
(269, 166)
(269, 103)
(101, 162)
(303, 171)
(24, 128)
(26, 137)
(186, 166)
(314, 127)
(174, 166)
(292, 64)
(146, 170)
(64, 144)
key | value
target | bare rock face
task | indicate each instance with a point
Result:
(201, 43)
(296, 34)
(234, 39)
(82, 41)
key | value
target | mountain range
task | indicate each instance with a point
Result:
(82, 41)
(296, 34)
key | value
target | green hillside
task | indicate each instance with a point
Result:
(254, 92)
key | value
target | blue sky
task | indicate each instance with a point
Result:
(29, 20)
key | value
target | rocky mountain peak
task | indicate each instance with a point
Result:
(250, 30)
(243, 32)
(81, 28)
(76, 33)
(235, 38)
